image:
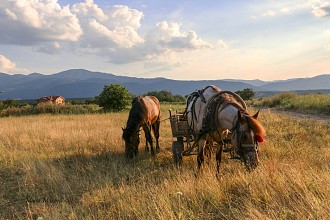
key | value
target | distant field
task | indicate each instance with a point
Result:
(309, 103)
(260, 94)
(73, 167)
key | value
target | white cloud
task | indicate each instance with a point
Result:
(327, 47)
(38, 21)
(222, 44)
(253, 17)
(170, 36)
(321, 10)
(8, 66)
(268, 13)
(114, 27)
(281, 8)
(87, 29)
(50, 48)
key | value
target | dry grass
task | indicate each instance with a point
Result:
(73, 167)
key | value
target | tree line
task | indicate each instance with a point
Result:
(115, 97)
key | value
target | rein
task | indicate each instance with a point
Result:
(164, 119)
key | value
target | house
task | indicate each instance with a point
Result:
(54, 100)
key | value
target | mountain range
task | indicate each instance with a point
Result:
(80, 83)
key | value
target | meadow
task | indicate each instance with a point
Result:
(73, 167)
(307, 103)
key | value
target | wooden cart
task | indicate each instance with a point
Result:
(185, 143)
(182, 146)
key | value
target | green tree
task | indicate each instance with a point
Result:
(166, 96)
(10, 103)
(114, 98)
(246, 94)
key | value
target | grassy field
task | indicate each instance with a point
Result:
(73, 167)
(308, 103)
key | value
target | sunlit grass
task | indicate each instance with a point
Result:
(309, 103)
(73, 167)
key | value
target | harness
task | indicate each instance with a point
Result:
(210, 121)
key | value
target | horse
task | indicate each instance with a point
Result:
(145, 113)
(211, 113)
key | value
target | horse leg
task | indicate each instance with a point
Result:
(155, 128)
(218, 157)
(136, 150)
(145, 129)
(151, 145)
(208, 149)
(149, 139)
(200, 156)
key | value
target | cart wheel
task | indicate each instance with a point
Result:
(177, 151)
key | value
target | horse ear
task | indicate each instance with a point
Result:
(239, 116)
(255, 116)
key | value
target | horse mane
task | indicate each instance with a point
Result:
(135, 117)
(254, 124)
(256, 127)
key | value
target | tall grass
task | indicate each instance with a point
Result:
(73, 167)
(309, 103)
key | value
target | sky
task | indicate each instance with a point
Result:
(175, 39)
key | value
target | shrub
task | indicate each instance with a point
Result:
(114, 98)
(246, 94)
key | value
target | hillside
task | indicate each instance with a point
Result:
(80, 83)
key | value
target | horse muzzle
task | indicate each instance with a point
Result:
(129, 153)
(249, 155)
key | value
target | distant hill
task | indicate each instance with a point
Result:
(314, 83)
(80, 83)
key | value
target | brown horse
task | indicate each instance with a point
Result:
(145, 113)
(212, 112)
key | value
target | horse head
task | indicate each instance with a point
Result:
(132, 141)
(247, 132)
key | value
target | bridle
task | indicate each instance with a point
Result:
(240, 137)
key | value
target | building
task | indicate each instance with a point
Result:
(54, 100)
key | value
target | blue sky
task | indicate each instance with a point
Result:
(191, 40)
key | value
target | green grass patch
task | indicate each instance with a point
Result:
(309, 103)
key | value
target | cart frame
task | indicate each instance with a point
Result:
(181, 131)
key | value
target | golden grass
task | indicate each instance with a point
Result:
(73, 167)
